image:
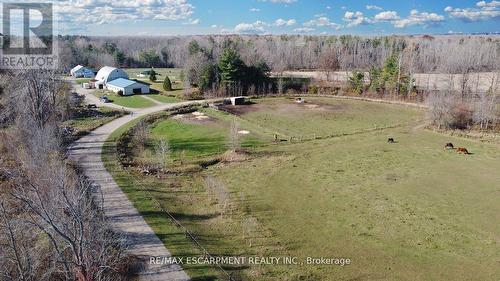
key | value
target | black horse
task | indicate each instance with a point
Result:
(449, 145)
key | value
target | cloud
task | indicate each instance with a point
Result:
(490, 4)
(387, 16)
(101, 11)
(256, 27)
(322, 21)
(282, 22)
(192, 22)
(485, 11)
(356, 18)
(255, 10)
(373, 7)
(304, 29)
(418, 18)
(328, 7)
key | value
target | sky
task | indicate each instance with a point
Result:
(196, 17)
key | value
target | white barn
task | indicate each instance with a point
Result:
(81, 71)
(127, 87)
(108, 73)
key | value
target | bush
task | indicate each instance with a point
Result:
(167, 85)
(193, 94)
(152, 75)
(313, 89)
(120, 93)
(448, 112)
(460, 116)
(356, 82)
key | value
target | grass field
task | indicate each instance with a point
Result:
(134, 101)
(198, 138)
(82, 80)
(319, 117)
(89, 119)
(164, 99)
(402, 211)
(173, 73)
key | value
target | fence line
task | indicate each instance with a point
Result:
(177, 223)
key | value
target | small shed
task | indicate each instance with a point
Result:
(127, 87)
(81, 71)
(237, 100)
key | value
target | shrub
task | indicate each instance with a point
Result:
(152, 75)
(313, 89)
(193, 94)
(120, 93)
(167, 85)
(460, 116)
(356, 82)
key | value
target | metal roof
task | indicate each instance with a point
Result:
(121, 82)
(76, 68)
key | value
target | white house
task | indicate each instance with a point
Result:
(127, 87)
(81, 71)
(108, 74)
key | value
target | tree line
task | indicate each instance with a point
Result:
(426, 54)
(227, 75)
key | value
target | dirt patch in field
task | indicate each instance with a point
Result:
(196, 118)
(283, 107)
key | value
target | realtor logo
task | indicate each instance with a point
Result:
(27, 36)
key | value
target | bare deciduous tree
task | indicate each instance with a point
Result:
(233, 139)
(52, 227)
(218, 190)
(141, 134)
(162, 150)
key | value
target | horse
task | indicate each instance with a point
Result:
(391, 140)
(462, 150)
(449, 145)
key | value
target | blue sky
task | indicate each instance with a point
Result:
(182, 17)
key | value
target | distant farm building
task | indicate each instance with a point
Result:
(108, 74)
(81, 71)
(146, 73)
(237, 100)
(127, 87)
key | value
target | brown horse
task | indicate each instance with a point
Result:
(462, 150)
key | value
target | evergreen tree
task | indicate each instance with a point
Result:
(194, 47)
(357, 82)
(209, 76)
(231, 67)
(152, 75)
(167, 85)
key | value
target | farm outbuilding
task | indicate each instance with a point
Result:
(108, 74)
(81, 71)
(237, 100)
(127, 87)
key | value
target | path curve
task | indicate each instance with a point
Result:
(119, 210)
